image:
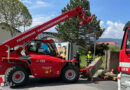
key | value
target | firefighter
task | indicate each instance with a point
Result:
(89, 58)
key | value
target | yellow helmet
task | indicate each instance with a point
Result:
(89, 52)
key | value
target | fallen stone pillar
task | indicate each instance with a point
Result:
(90, 70)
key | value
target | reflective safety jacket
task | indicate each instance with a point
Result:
(89, 56)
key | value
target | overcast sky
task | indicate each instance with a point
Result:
(112, 13)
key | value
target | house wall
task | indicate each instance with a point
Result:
(4, 33)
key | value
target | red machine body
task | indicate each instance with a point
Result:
(39, 64)
(35, 62)
(124, 59)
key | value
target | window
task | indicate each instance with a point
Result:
(123, 40)
(128, 40)
(32, 46)
(41, 47)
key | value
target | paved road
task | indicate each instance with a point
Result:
(55, 84)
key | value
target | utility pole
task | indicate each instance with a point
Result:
(94, 45)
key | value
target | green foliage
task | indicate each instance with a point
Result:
(82, 50)
(70, 30)
(103, 64)
(83, 62)
(114, 48)
(15, 14)
(27, 18)
(100, 49)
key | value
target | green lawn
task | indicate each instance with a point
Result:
(83, 61)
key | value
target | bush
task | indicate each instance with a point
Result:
(82, 50)
(114, 48)
(100, 49)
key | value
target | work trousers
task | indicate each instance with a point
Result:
(89, 60)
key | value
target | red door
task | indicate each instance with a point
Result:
(124, 64)
(44, 60)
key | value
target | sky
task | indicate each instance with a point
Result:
(112, 13)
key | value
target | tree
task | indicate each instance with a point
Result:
(70, 30)
(100, 49)
(27, 18)
(15, 14)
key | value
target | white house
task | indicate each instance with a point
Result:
(5, 33)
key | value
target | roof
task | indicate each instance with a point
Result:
(110, 43)
(127, 25)
(9, 25)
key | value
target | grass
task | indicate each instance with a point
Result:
(103, 59)
(83, 62)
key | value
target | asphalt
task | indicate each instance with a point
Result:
(57, 84)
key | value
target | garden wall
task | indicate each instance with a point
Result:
(111, 61)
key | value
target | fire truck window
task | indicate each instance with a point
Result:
(128, 40)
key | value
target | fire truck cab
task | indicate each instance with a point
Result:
(124, 60)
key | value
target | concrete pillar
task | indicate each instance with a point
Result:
(111, 61)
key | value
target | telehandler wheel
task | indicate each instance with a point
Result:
(16, 76)
(70, 74)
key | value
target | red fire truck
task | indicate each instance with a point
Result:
(124, 60)
(40, 59)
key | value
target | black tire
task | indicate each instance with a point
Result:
(12, 80)
(73, 77)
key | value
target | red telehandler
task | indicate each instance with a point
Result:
(40, 59)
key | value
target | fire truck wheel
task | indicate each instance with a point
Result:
(16, 76)
(70, 74)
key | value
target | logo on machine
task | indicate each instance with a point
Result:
(41, 61)
(58, 72)
(30, 34)
(47, 67)
(125, 69)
